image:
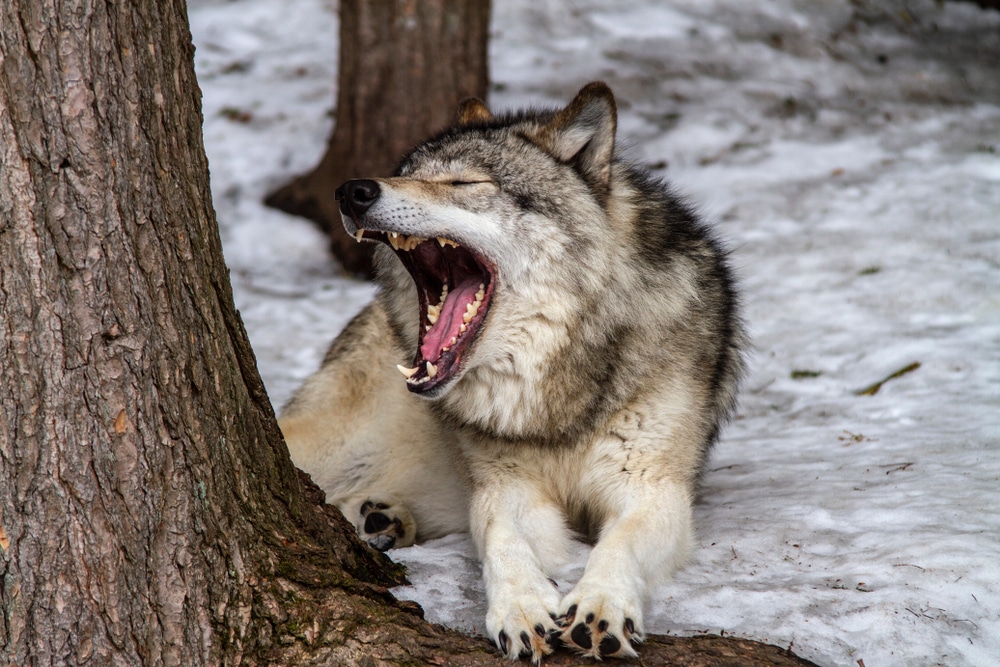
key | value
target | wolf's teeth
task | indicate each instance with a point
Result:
(432, 370)
(408, 372)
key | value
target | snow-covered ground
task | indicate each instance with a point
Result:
(850, 153)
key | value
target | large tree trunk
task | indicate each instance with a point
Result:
(404, 67)
(149, 514)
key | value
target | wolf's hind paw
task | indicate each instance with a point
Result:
(386, 525)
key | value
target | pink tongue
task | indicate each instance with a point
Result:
(450, 321)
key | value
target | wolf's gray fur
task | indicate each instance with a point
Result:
(571, 344)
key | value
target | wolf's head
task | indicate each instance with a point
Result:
(500, 227)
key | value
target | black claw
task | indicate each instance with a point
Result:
(581, 636)
(602, 626)
(526, 640)
(382, 542)
(540, 630)
(554, 584)
(630, 626)
(366, 507)
(610, 645)
(502, 642)
(590, 619)
(553, 638)
(571, 612)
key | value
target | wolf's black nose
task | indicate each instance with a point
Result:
(357, 196)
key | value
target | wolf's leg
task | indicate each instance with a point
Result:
(521, 536)
(643, 541)
(363, 437)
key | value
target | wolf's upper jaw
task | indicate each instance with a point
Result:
(454, 290)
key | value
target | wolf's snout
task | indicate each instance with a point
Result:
(356, 196)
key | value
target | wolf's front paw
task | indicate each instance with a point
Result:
(601, 622)
(522, 622)
(386, 525)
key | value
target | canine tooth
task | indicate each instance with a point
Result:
(408, 372)
(360, 234)
(432, 370)
(431, 317)
(393, 235)
(393, 241)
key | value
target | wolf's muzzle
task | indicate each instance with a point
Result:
(356, 196)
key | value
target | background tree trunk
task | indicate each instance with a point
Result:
(149, 513)
(404, 67)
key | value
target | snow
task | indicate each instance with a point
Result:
(849, 152)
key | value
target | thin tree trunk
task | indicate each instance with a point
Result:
(404, 67)
(149, 514)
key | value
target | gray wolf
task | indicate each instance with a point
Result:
(554, 348)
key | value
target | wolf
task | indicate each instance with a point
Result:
(554, 347)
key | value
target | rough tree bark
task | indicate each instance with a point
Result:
(404, 67)
(149, 514)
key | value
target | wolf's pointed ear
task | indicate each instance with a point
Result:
(584, 132)
(472, 111)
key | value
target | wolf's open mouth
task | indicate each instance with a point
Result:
(454, 288)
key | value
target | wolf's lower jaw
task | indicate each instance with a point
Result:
(444, 327)
(454, 288)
